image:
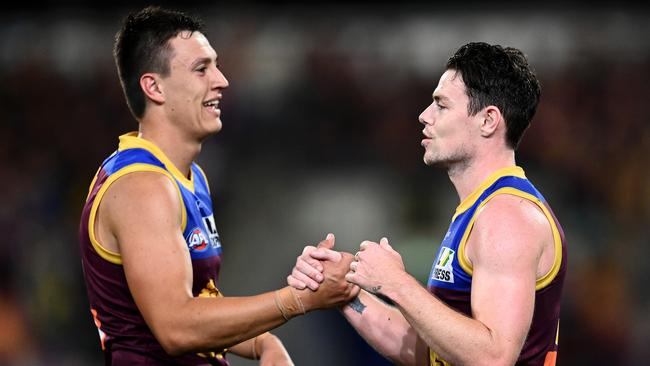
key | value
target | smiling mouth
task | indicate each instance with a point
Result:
(213, 105)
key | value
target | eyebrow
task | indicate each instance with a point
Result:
(440, 98)
(202, 60)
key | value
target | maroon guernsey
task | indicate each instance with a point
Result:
(451, 273)
(125, 337)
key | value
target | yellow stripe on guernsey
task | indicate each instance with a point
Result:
(132, 141)
(471, 199)
(109, 255)
(435, 360)
(92, 184)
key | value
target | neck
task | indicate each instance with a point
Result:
(178, 148)
(467, 176)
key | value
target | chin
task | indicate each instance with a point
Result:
(429, 159)
(436, 162)
(215, 126)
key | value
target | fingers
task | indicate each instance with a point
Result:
(298, 278)
(310, 268)
(351, 277)
(308, 249)
(324, 254)
(295, 283)
(384, 244)
(353, 266)
(355, 291)
(364, 244)
(328, 243)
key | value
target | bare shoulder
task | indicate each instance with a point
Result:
(511, 227)
(149, 198)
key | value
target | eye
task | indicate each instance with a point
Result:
(202, 69)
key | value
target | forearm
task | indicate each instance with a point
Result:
(385, 329)
(254, 347)
(201, 324)
(458, 339)
(245, 348)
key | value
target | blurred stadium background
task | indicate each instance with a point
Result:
(321, 135)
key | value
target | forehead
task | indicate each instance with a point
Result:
(451, 86)
(189, 47)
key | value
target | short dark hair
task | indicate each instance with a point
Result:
(494, 75)
(142, 45)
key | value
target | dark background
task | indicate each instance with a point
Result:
(321, 135)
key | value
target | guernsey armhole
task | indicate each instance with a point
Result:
(134, 142)
(541, 282)
(92, 184)
(108, 255)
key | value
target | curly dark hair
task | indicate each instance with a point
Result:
(494, 75)
(142, 45)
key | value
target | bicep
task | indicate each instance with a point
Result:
(505, 251)
(504, 302)
(144, 215)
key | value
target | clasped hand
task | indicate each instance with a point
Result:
(376, 267)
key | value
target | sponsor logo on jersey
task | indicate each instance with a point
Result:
(443, 271)
(197, 241)
(208, 222)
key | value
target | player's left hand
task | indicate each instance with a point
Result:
(376, 267)
(273, 353)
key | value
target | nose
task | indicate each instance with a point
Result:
(219, 80)
(425, 117)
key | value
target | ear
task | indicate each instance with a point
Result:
(492, 118)
(152, 88)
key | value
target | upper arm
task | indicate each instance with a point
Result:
(505, 248)
(143, 212)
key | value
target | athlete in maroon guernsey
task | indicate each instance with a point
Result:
(496, 283)
(125, 336)
(149, 245)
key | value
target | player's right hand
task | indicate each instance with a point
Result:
(308, 269)
(334, 290)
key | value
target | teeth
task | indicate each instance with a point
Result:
(212, 103)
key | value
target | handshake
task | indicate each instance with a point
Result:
(326, 278)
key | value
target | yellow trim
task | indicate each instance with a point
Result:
(471, 199)
(109, 255)
(435, 360)
(132, 141)
(557, 241)
(207, 184)
(92, 184)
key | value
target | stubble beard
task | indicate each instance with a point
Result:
(454, 163)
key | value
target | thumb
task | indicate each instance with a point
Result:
(384, 244)
(328, 243)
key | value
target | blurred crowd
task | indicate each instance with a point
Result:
(321, 135)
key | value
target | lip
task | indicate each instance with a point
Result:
(211, 109)
(426, 138)
(214, 111)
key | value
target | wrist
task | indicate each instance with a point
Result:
(289, 302)
(396, 290)
(264, 342)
